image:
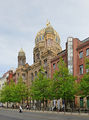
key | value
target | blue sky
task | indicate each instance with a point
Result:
(20, 20)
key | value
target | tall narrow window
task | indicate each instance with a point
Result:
(38, 55)
(81, 102)
(58, 64)
(87, 51)
(81, 54)
(34, 58)
(23, 76)
(87, 70)
(81, 69)
(49, 42)
(35, 73)
(54, 66)
(18, 74)
(45, 62)
(46, 73)
(32, 77)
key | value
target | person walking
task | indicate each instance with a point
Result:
(54, 105)
(27, 107)
(20, 109)
(58, 104)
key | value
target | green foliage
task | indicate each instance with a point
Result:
(21, 90)
(87, 63)
(84, 85)
(5, 93)
(63, 83)
(14, 92)
(84, 82)
(40, 87)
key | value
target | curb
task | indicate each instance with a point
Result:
(50, 112)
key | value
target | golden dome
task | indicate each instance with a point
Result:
(47, 29)
(21, 52)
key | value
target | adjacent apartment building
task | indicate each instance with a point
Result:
(74, 56)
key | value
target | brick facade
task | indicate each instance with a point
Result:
(79, 47)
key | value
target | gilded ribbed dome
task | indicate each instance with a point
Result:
(47, 29)
(21, 52)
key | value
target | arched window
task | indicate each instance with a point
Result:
(35, 73)
(42, 37)
(45, 63)
(34, 58)
(38, 55)
(37, 40)
(23, 76)
(56, 39)
(32, 77)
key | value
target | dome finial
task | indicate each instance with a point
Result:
(47, 23)
(21, 52)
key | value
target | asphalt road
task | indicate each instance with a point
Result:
(15, 115)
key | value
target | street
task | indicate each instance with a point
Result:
(15, 115)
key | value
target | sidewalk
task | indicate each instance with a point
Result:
(50, 112)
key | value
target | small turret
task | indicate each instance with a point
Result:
(21, 58)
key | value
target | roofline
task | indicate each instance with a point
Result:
(58, 55)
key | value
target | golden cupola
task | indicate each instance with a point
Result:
(47, 30)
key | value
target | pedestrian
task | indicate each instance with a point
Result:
(54, 105)
(27, 107)
(58, 104)
(63, 105)
(20, 109)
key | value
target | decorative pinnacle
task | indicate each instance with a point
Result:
(47, 23)
(21, 50)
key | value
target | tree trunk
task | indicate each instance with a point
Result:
(43, 104)
(40, 104)
(46, 105)
(30, 103)
(27, 101)
(7, 104)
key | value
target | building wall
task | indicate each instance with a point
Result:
(77, 46)
(56, 60)
(76, 43)
(3, 79)
(81, 61)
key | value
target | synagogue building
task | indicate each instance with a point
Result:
(47, 53)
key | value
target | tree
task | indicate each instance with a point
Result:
(84, 85)
(6, 94)
(40, 87)
(63, 83)
(21, 90)
(84, 82)
(14, 92)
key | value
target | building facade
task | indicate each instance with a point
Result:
(47, 46)
(7, 77)
(74, 56)
(47, 52)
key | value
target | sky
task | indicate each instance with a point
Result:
(20, 20)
